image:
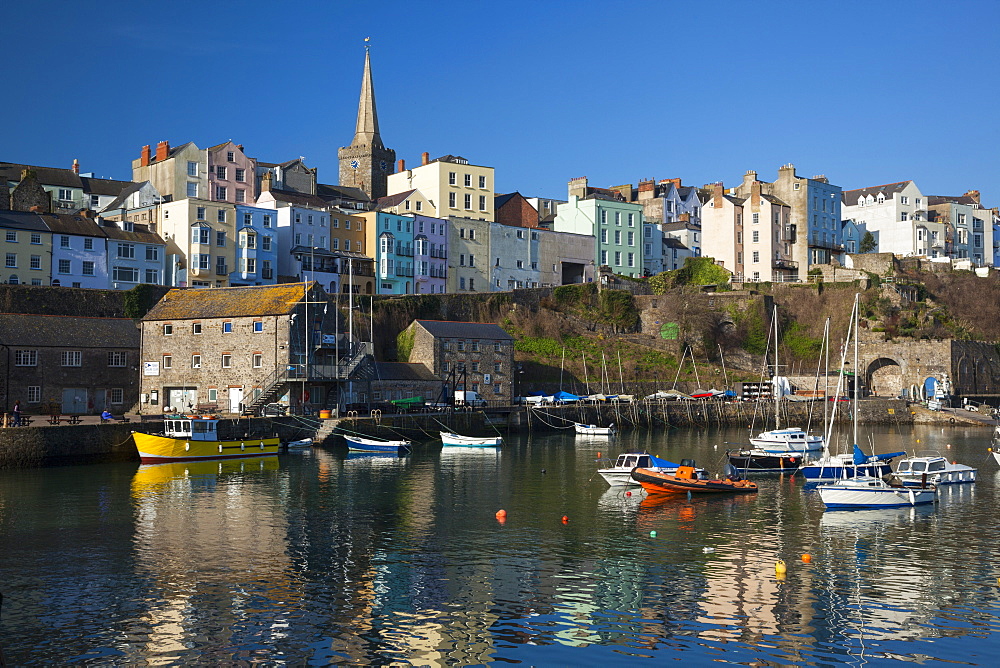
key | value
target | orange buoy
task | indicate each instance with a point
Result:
(501, 513)
(807, 558)
(598, 455)
(565, 519)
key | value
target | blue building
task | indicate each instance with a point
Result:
(256, 258)
(390, 238)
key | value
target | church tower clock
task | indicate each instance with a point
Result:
(366, 163)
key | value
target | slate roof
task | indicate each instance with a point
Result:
(403, 371)
(103, 186)
(464, 330)
(393, 200)
(949, 199)
(673, 242)
(298, 199)
(68, 331)
(22, 220)
(326, 191)
(851, 196)
(47, 176)
(500, 200)
(773, 200)
(140, 234)
(68, 223)
(119, 201)
(257, 300)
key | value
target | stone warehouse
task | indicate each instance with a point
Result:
(70, 365)
(235, 349)
(466, 355)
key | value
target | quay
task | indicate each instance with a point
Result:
(93, 441)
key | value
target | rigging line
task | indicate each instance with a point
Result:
(554, 426)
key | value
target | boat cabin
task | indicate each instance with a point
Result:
(191, 428)
(926, 465)
(630, 460)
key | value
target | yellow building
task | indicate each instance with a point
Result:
(451, 186)
(26, 248)
(201, 242)
(348, 240)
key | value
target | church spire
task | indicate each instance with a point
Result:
(366, 131)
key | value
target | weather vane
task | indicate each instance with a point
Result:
(367, 42)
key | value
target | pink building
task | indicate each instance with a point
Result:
(232, 176)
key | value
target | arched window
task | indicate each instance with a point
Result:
(13, 280)
(56, 283)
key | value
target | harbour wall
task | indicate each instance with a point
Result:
(37, 446)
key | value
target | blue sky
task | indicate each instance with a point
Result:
(863, 92)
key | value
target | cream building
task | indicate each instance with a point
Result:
(176, 173)
(451, 186)
(201, 242)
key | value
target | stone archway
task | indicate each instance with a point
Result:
(885, 378)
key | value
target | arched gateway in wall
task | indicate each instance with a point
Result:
(885, 378)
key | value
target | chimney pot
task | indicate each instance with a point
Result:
(76, 166)
(425, 158)
(400, 166)
(145, 155)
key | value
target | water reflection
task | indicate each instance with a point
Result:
(380, 559)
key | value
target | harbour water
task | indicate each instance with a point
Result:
(323, 558)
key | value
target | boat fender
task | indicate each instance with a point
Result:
(187, 447)
(951, 420)
(262, 445)
(243, 446)
(220, 448)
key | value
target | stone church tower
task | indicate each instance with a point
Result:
(366, 163)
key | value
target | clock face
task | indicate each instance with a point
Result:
(382, 165)
(354, 164)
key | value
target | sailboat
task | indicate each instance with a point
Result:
(791, 439)
(869, 491)
(848, 464)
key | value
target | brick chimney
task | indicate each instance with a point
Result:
(755, 193)
(76, 166)
(676, 182)
(400, 166)
(974, 195)
(425, 158)
(162, 150)
(647, 189)
(265, 182)
(145, 155)
(717, 192)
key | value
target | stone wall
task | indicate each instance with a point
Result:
(25, 447)
(882, 264)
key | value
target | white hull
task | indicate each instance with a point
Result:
(457, 441)
(618, 477)
(593, 430)
(996, 456)
(867, 492)
(781, 441)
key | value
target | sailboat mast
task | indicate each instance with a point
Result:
(857, 340)
(562, 364)
(774, 378)
(621, 376)
(586, 376)
(826, 370)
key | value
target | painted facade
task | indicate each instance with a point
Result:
(389, 238)
(513, 253)
(896, 213)
(26, 248)
(200, 238)
(452, 186)
(616, 226)
(564, 258)
(80, 252)
(232, 175)
(430, 255)
(468, 255)
(256, 253)
(176, 172)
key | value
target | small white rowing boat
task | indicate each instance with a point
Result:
(300, 444)
(593, 429)
(458, 441)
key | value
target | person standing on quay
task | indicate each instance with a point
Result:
(17, 413)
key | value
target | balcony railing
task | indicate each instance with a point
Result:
(787, 265)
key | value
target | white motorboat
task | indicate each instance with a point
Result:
(870, 492)
(457, 441)
(621, 473)
(300, 444)
(933, 468)
(593, 429)
(783, 441)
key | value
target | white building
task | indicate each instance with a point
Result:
(451, 186)
(896, 213)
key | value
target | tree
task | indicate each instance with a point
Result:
(867, 243)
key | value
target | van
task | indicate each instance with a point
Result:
(468, 398)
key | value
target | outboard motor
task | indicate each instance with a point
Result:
(732, 473)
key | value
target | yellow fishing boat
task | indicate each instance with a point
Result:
(192, 437)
